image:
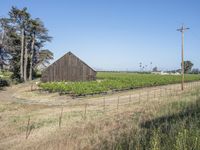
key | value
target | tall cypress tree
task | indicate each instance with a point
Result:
(20, 19)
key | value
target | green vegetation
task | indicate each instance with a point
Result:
(177, 129)
(5, 78)
(3, 83)
(22, 40)
(114, 82)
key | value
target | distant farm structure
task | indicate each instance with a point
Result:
(68, 68)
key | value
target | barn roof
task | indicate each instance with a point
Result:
(70, 53)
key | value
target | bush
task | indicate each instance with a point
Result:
(3, 83)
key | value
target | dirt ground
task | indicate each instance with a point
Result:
(21, 102)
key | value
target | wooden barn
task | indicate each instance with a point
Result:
(68, 68)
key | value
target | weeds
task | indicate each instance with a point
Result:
(180, 131)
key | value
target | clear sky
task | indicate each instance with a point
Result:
(119, 34)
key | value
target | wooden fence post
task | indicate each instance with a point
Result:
(118, 103)
(139, 95)
(174, 90)
(60, 117)
(85, 112)
(147, 95)
(129, 100)
(160, 92)
(104, 104)
(28, 128)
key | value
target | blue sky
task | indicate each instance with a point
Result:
(118, 34)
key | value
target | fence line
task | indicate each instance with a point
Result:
(150, 94)
(114, 104)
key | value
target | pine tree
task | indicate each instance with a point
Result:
(39, 35)
(21, 42)
(20, 19)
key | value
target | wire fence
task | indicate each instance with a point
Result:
(106, 106)
(140, 95)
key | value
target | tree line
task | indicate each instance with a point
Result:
(22, 41)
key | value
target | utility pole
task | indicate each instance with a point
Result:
(182, 30)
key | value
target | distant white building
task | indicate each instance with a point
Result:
(165, 73)
(156, 72)
(176, 73)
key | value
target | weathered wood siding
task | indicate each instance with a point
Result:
(68, 68)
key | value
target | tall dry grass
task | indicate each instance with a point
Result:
(168, 119)
(170, 122)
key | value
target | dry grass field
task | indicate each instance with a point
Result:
(30, 119)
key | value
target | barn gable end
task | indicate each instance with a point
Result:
(68, 68)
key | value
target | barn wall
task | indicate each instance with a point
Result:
(68, 68)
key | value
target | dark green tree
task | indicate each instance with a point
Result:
(38, 35)
(155, 69)
(21, 42)
(43, 59)
(188, 66)
(20, 18)
(10, 47)
(4, 55)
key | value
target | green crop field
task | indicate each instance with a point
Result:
(109, 81)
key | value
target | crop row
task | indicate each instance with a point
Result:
(112, 82)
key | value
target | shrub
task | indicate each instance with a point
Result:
(3, 83)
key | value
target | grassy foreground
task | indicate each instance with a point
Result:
(173, 131)
(164, 121)
(173, 124)
(107, 81)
